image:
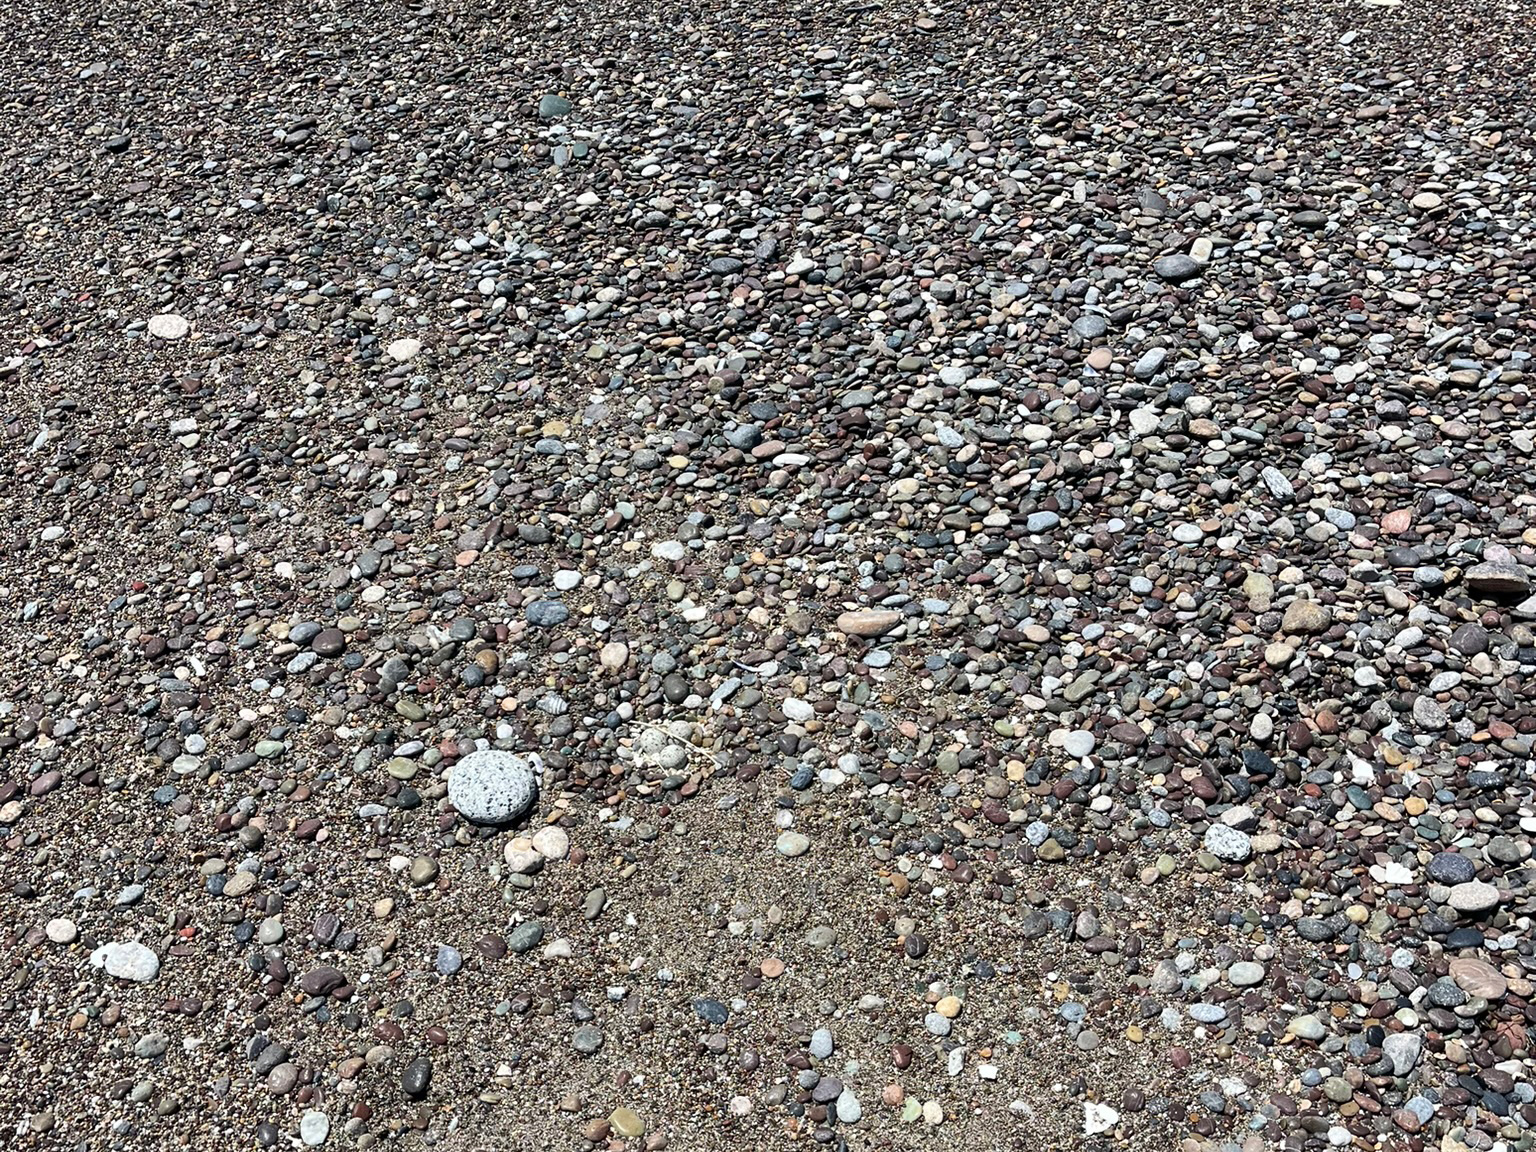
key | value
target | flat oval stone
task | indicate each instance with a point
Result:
(1473, 897)
(792, 844)
(1245, 974)
(868, 623)
(1478, 978)
(1177, 268)
(168, 326)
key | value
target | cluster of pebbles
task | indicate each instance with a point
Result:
(578, 577)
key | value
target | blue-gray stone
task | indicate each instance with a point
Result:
(547, 613)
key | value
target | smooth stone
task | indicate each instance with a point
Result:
(1473, 897)
(1307, 1027)
(1176, 268)
(867, 623)
(61, 930)
(417, 1077)
(552, 843)
(546, 613)
(1245, 974)
(627, 1123)
(168, 326)
(1150, 363)
(849, 1111)
(493, 787)
(1478, 978)
(526, 936)
(1078, 744)
(791, 843)
(1451, 868)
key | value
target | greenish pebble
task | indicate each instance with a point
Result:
(423, 870)
(410, 710)
(910, 1111)
(269, 749)
(1207, 861)
(1166, 865)
(526, 936)
(627, 1123)
(401, 768)
(1051, 851)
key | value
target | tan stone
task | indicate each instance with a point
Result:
(868, 622)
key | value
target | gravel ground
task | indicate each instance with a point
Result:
(999, 542)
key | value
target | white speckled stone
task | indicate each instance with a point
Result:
(494, 787)
(168, 326)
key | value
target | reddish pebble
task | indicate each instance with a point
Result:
(1180, 1057)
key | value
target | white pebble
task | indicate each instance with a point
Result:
(552, 843)
(168, 326)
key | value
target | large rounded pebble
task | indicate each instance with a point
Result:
(168, 326)
(552, 843)
(791, 843)
(493, 787)
(1473, 897)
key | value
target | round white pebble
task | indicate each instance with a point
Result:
(493, 787)
(169, 326)
(61, 930)
(792, 844)
(1078, 744)
(552, 843)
